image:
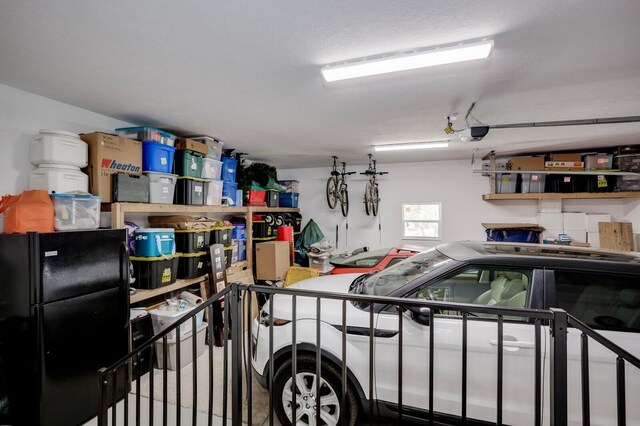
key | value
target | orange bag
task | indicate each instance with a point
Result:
(30, 211)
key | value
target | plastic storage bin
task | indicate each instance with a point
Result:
(154, 242)
(161, 187)
(242, 250)
(320, 263)
(629, 162)
(290, 185)
(157, 157)
(228, 255)
(213, 145)
(154, 272)
(192, 240)
(186, 349)
(512, 235)
(188, 163)
(239, 231)
(289, 199)
(192, 265)
(628, 183)
(222, 235)
(506, 183)
(598, 183)
(74, 211)
(214, 193)
(261, 230)
(532, 183)
(147, 134)
(57, 178)
(255, 197)
(161, 319)
(273, 198)
(59, 147)
(211, 169)
(191, 191)
(229, 167)
(229, 189)
(598, 162)
(129, 188)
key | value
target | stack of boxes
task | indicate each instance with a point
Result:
(222, 233)
(191, 188)
(240, 241)
(155, 262)
(212, 169)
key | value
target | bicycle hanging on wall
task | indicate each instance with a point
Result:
(371, 198)
(337, 187)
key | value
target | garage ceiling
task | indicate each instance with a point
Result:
(248, 72)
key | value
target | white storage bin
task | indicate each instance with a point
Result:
(161, 187)
(186, 348)
(161, 320)
(214, 146)
(320, 262)
(74, 211)
(211, 169)
(56, 178)
(214, 193)
(59, 147)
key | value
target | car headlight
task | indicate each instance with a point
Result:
(265, 319)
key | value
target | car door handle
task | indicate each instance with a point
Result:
(513, 344)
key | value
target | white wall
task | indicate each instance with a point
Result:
(22, 115)
(448, 182)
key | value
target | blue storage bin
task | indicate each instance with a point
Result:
(513, 235)
(154, 242)
(229, 190)
(242, 250)
(289, 199)
(239, 232)
(157, 157)
(229, 167)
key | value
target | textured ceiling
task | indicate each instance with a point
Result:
(248, 72)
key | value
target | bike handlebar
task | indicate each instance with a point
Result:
(370, 173)
(348, 173)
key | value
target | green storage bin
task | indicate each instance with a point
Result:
(188, 163)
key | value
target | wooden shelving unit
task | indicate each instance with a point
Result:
(120, 210)
(562, 196)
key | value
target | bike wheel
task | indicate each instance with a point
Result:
(332, 190)
(367, 199)
(374, 199)
(344, 199)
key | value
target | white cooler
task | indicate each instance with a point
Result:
(58, 147)
(57, 178)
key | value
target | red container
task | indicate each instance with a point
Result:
(285, 233)
(256, 197)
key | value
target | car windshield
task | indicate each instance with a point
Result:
(366, 259)
(385, 282)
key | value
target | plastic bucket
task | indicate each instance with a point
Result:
(157, 157)
(285, 233)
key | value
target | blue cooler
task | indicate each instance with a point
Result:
(229, 167)
(154, 242)
(157, 157)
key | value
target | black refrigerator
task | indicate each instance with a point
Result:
(64, 313)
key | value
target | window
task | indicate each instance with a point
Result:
(422, 221)
(602, 301)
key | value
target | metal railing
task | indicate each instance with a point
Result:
(237, 297)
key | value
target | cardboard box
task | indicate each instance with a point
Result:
(551, 220)
(565, 166)
(190, 144)
(576, 221)
(272, 260)
(109, 154)
(592, 220)
(578, 235)
(527, 163)
(593, 238)
(571, 156)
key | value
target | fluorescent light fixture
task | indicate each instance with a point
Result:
(412, 145)
(428, 57)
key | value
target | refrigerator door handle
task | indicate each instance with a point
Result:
(124, 281)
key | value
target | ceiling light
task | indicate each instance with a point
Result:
(413, 145)
(427, 57)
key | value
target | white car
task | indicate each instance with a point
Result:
(598, 288)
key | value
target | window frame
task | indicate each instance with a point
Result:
(439, 222)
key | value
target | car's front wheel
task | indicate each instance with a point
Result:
(330, 398)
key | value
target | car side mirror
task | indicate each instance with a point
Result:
(419, 314)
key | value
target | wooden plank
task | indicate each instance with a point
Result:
(142, 294)
(616, 235)
(557, 195)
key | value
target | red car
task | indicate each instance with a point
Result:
(372, 261)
